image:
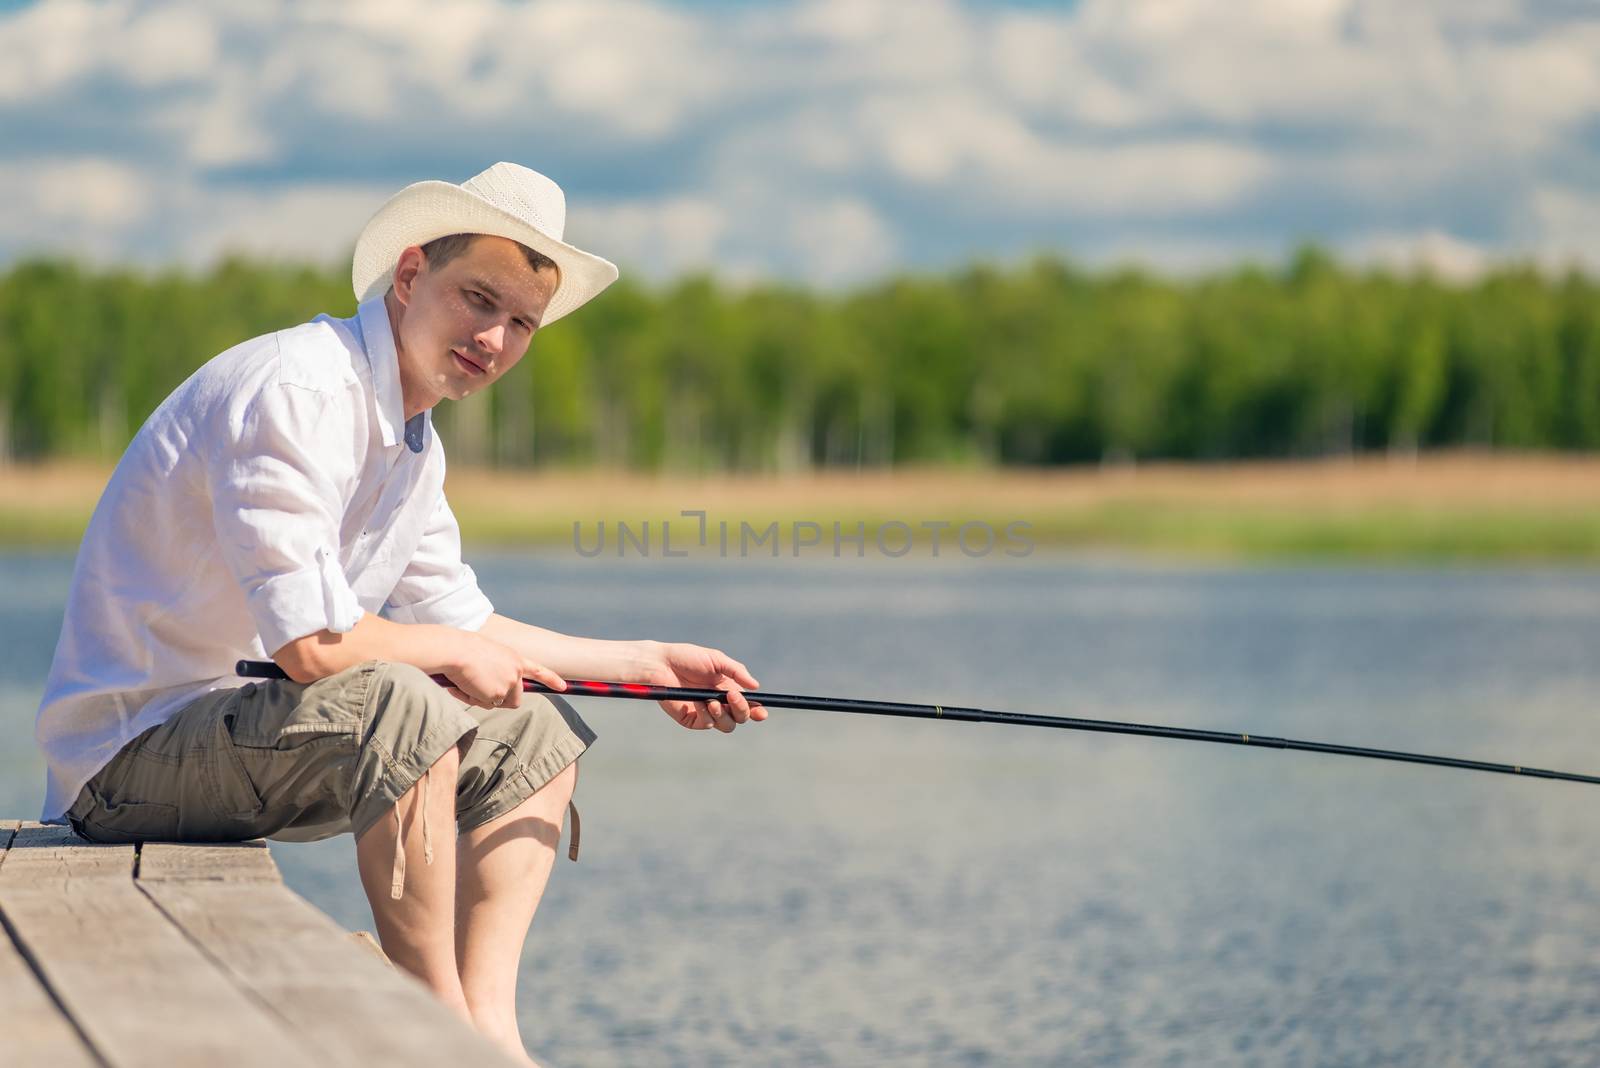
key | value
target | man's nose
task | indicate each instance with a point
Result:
(493, 339)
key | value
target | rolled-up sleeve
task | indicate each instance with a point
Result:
(276, 504)
(437, 586)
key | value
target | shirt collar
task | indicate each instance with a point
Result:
(377, 338)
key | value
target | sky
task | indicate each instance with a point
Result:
(822, 141)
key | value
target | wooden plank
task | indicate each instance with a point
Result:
(345, 1002)
(45, 835)
(217, 862)
(33, 1029)
(52, 853)
(369, 943)
(138, 989)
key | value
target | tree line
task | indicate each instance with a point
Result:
(1036, 363)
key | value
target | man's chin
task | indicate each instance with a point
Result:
(460, 387)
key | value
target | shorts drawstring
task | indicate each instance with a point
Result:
(397, 881)
(427, 828)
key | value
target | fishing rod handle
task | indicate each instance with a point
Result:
(267, 669)
(633, 691)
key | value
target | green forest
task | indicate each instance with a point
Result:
(1031, 364)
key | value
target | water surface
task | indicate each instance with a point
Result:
(830, 889)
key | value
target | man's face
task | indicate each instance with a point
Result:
(468, 322)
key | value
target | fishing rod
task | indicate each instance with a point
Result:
(266, 669)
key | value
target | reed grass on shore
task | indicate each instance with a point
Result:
(1438, 507)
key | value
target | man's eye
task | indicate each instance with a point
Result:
(478, 298)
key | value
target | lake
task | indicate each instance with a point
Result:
(837, 889)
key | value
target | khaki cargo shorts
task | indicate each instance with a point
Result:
(300, 762)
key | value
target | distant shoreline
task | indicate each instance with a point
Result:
(1447, 507)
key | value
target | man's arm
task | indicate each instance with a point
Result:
(649, 662)
(488, 666)
(573, 657)
(484, 671)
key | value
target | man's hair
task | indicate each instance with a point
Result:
(441, 250)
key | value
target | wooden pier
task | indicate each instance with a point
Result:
(173, 955)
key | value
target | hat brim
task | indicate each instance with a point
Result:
(421, 212)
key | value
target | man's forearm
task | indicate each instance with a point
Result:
(572, 657)
(429, 647)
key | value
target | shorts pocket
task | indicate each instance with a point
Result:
(284, 715)
(129, 821)
(228, 789)
(285, 757)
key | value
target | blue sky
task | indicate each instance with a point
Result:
(826, 141)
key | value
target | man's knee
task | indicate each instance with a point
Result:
(520, 752)
(412, 726)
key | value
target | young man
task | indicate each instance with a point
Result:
(288, 500)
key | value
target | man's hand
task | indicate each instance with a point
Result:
(650, 662)
(485, 673)
(681, 664)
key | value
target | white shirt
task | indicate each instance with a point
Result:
(278, 492)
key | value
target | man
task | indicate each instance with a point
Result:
(288, 500)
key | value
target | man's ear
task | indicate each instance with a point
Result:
(413, 261)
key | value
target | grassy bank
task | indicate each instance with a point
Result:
(1449, 507)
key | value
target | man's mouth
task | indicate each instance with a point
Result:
(468, 364)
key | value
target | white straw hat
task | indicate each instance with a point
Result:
(506, 200)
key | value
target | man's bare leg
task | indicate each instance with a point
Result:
(502, 868)
(418, 929)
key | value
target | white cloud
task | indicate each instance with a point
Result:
(1563, 227)
(104, 211)
(661, 237)
(49, 46)
(769, 137)
(94, 191)
(86, 204)
(638, 68)
(841, 240)
(635, 69)
(826, 240)
(223, 127)
(1039, 62)
(1440, 254)
(166, 46)
(967, 145)
(883, 41)
(315, 220)
(43, 47)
